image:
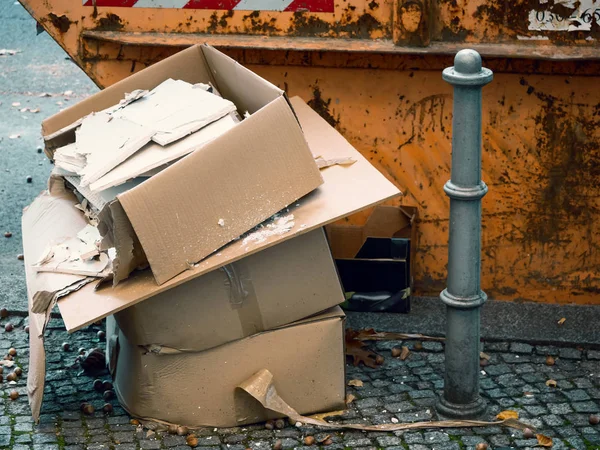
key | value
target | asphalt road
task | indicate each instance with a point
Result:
(40, 67)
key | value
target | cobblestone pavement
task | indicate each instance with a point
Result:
(515, 379)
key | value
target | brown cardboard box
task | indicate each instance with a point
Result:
(280, 285)
(199, 388)
(197, 205)
(346, 190)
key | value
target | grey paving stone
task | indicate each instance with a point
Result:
(536, 410)
(499, 440)
(472, 441)
(368, 403)
(149, 444)
(421, 394)
(44, 438)
(585, 407)
(569, 353)
(388, 441)
(124, 437)
(497, 369)
(433, 346)
(359, 442)
(553, 421)
(576, 395)
(24, 439)
(22, 447)
(593, 354)
(413, 438)
(518, 347)
(496, 346)
(560, 408)
(435, 437)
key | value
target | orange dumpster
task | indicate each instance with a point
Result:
(372, 68)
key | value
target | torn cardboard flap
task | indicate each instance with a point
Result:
(346, 190)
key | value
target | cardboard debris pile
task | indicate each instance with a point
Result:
(187, 205)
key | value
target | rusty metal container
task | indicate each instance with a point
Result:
(372, 68)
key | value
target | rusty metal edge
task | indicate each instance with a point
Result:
(501, 50)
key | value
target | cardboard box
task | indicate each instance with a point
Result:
(233, 183)
(280, 285)
(194, 389)
(346, 190)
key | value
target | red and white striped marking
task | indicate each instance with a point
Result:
(228, 5)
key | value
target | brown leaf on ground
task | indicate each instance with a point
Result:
(355, 383)
(544, 441)
(355, 348)
(484, 356)
(551, 383)
(561, 321)
(405, 353)
(350, 398)
(508, 414)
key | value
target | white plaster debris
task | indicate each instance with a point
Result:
(277, 225)
(221, 223)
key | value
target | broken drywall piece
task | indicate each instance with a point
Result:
(175, 109)
(153, 155)
(106, 141)
(100, 199)
(65, 257)
(323, 163)
(68, 159)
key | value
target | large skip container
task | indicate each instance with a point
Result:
(372, 68)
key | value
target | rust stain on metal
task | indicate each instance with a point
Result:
(257, 24)
(62, 23)
(111, 22)
(321, 106)
(569, 183)
(361, 27)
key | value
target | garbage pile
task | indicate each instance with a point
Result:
(187, 205)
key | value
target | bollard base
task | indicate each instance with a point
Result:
(474, 410)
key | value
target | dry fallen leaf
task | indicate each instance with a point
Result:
(14, 136)
(350, 398)
(508, 414)
(561, 321)
(544, 441)
(551, 383)
(24, 110)
(405, 352)
(355, 383)
(15, 104)
(35, 110)
(484, 356)
(356, 349)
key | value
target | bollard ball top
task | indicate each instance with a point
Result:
(467, 61)
(467, 70)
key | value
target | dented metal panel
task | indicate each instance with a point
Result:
(372, 69)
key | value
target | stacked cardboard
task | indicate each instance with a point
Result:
(240, 274)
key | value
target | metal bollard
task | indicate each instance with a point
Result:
(463, 296)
